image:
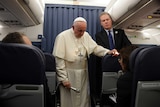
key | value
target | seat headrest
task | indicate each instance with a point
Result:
(50, 62)
(147, 63)
(110, 64)
(133, 57)
(21, 64)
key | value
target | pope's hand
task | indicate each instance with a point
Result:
(113, 52)
(66, 84)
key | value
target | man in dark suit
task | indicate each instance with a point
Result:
(118, 38)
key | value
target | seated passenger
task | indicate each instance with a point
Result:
(21, 38)
(124, 83)
(16, 37)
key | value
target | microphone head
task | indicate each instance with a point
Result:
(77, 90)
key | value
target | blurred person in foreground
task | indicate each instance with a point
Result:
(20, 38)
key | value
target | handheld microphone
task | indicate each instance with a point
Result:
(76, 90)
(72, 88)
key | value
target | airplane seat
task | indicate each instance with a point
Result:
(110, 69)
(21, 76)
(51, 76)
(133, 56)
(50, 62)
(51, 71)
(110, 72)
(146, 79)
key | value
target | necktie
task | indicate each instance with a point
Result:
(111, 44)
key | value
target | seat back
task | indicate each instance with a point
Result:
(145, 66)
(110, 68)
(148, 94)
(21, 75)
(51, 72)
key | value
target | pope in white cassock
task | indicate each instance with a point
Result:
(71, 49)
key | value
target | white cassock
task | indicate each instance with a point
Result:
(71, 64)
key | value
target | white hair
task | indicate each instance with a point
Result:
(80, 19)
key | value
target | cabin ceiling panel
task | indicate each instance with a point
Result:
(145, 22)
(153, 25)
(7, 18)
(138, 19)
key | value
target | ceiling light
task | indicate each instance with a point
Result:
(149, 17)
(158, 26)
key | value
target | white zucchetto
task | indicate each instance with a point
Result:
(80, 19)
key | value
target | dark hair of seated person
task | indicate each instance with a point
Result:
(16, 37)
(124, 57)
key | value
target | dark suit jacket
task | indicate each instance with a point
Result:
(120, 38)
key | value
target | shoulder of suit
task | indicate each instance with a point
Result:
(100, 32)
(118, 30)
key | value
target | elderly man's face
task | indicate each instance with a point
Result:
(79, 28)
